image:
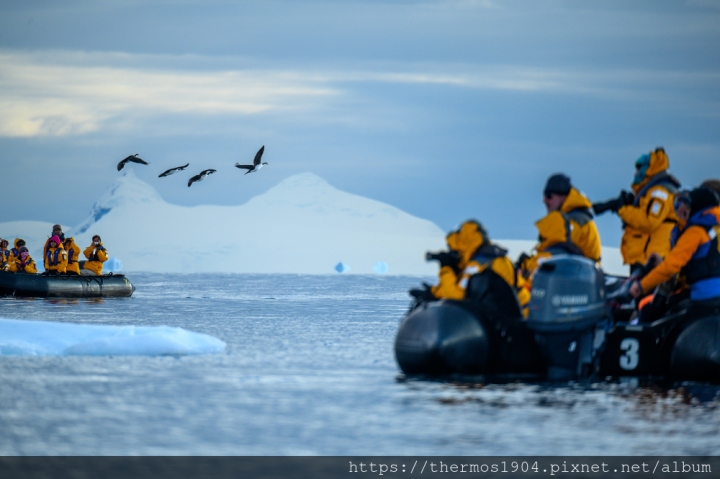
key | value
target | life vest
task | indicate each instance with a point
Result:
(567, 246)
(15, 252)
(94, 255)
(70, 254)
(480, 261)
(53, 259)
(705, 262)
(663, 179)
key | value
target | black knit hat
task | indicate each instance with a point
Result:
(701, 198)
(558, 184)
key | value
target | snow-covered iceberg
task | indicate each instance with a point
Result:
(46, 338)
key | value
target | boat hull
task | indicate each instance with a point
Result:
(65, 286)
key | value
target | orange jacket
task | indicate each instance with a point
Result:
(687, 244)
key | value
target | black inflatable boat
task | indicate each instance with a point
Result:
(576, 329)
(65, 286)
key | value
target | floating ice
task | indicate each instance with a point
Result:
(112, 265)
(46, 338)
(342, 267)
(380, 267)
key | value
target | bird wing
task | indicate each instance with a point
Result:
(183, 167)
(193, 179)
(121, 165)
(138, 160)
(245, 167)
(258, 155)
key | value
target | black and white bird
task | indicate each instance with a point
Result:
(134, 158)
(256, 162)
(172, 171)
(200, 177)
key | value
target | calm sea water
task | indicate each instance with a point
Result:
(309, 370)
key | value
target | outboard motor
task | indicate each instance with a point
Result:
(568, 314)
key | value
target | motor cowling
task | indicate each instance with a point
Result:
(568, 314)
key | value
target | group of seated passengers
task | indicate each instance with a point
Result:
(60, 256)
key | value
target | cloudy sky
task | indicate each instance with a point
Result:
(447, 109)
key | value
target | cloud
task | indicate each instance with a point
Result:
(73, 93)
(40, 98)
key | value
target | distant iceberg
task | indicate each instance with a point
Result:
(112, 265)
(380, 267)
(342, 267)
(46, 338)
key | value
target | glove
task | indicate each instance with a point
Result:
(627, 197)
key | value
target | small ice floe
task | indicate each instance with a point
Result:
(380, 267)
(342, 267)
(46, 338)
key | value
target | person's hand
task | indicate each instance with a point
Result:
(636, 290)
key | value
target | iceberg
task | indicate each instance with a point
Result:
(342, 267)
(380, 267)
(112, 265)
(47, 338)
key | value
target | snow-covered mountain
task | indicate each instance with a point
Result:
(303, 225)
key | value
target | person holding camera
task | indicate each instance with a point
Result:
(568, 227)
(96, 255)
(471, 253)
(648, 214)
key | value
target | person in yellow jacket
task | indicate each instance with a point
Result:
(55, 257)
(476, 255)
(24, 263)
(96, 255)
(15, 250)
(568, 227)
(73, 255)
(4, 252)
(648, 214)
(696, 254)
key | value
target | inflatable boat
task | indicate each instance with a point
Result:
(65, 286)
(578, 327)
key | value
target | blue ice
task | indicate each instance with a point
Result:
(46, 338)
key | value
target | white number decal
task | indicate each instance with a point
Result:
(630, 359)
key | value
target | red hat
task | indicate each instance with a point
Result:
(56, 239)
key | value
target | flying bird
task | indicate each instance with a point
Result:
(256, 162)
(134, 158)
(173, 170)
(201, 176)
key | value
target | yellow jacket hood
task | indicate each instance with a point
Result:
(575, 200)
(659, 162)
(469, 238)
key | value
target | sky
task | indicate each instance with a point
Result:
(447, 109)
